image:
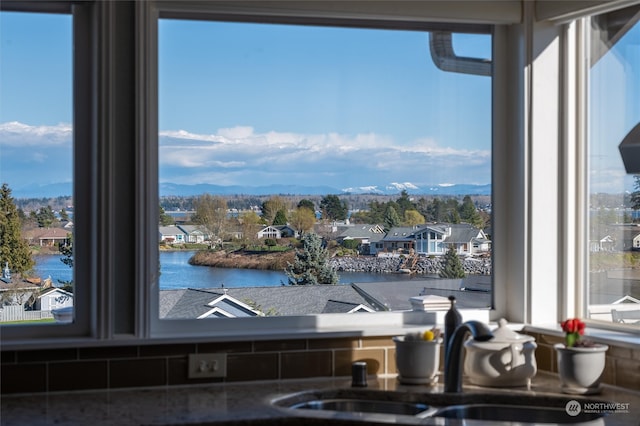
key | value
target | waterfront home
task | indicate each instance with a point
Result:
(172, 235)
(277, 231)
(194, 233)
(369, 237)
(48, 237)
(436, 239)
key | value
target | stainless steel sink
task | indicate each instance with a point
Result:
(366, 406)
(434, 408)
(512, 413)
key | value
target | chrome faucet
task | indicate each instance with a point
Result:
(453, 353)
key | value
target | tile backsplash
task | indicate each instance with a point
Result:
(166, 364)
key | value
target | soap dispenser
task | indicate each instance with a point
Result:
(452, 320)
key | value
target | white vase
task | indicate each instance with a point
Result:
(580, 368)
(417, 361)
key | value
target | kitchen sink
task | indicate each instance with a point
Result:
(511, 413)
(435, 408)
(366, 406)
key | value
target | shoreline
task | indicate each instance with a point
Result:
(371, 264)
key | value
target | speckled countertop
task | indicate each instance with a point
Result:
(250, 403)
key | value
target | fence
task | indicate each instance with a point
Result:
(17, 313)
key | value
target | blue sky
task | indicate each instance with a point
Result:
(251, 104)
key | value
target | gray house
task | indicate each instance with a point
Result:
(195, 234)
(436, 239)
(172, 235)
(368, 236)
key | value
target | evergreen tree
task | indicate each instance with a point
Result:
(67, 259)
(311, 265)
(305, 203)
(333, 208)
(64, 215)
(391, 218)
(634, 198)
(281, 218)
(14, 250)
(165, 219)
(45, 217)
(452, 267)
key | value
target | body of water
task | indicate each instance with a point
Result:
(176, 272)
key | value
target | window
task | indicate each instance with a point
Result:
(121, 135)
(36, 164)
(614, 191)
(257, 119)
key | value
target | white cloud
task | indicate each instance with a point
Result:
(14, 133)
(341, 160)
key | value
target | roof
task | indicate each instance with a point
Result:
(282, 300)
(48, 233)
(462, 233)
(170, 230)
(396, 295)
(190, 229)
(361, 231)
(470, 292)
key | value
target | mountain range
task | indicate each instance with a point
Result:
(64, 189)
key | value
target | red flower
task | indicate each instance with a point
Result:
(573, 325)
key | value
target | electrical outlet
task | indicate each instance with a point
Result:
(207, 365)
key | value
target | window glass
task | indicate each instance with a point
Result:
(36, 222)
(291, 157)
(614, 177)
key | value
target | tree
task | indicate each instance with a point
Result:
(391, 218)
(250, 224)
(302, 219)
(67, 259)
(469, 213)
(271, 207)
(452, 267)
(333, 208)
(311, 265)
(165, 219)
(306, 204)
(14, 249)
(64, 215)
(45, 217)
(404, 203)
(634, 198)
(281, 218)
(412, 217)
(211, 214)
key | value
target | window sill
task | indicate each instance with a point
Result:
(598, 334)
(334, 326)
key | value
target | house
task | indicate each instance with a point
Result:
(194, 233)
(48, 237)
(172, 235)
(277, 231)
(53, 298)
(436, 239)
(368, 236)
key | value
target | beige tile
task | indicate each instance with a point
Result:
(375, 359)
(369, 342)
(627, 373)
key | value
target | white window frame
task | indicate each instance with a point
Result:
(537, 113)
(84, 145)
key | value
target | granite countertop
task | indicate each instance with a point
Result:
(250, 403)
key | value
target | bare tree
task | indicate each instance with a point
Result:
(211, 214)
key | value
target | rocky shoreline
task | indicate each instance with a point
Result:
(424, 265)
(371, 264)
